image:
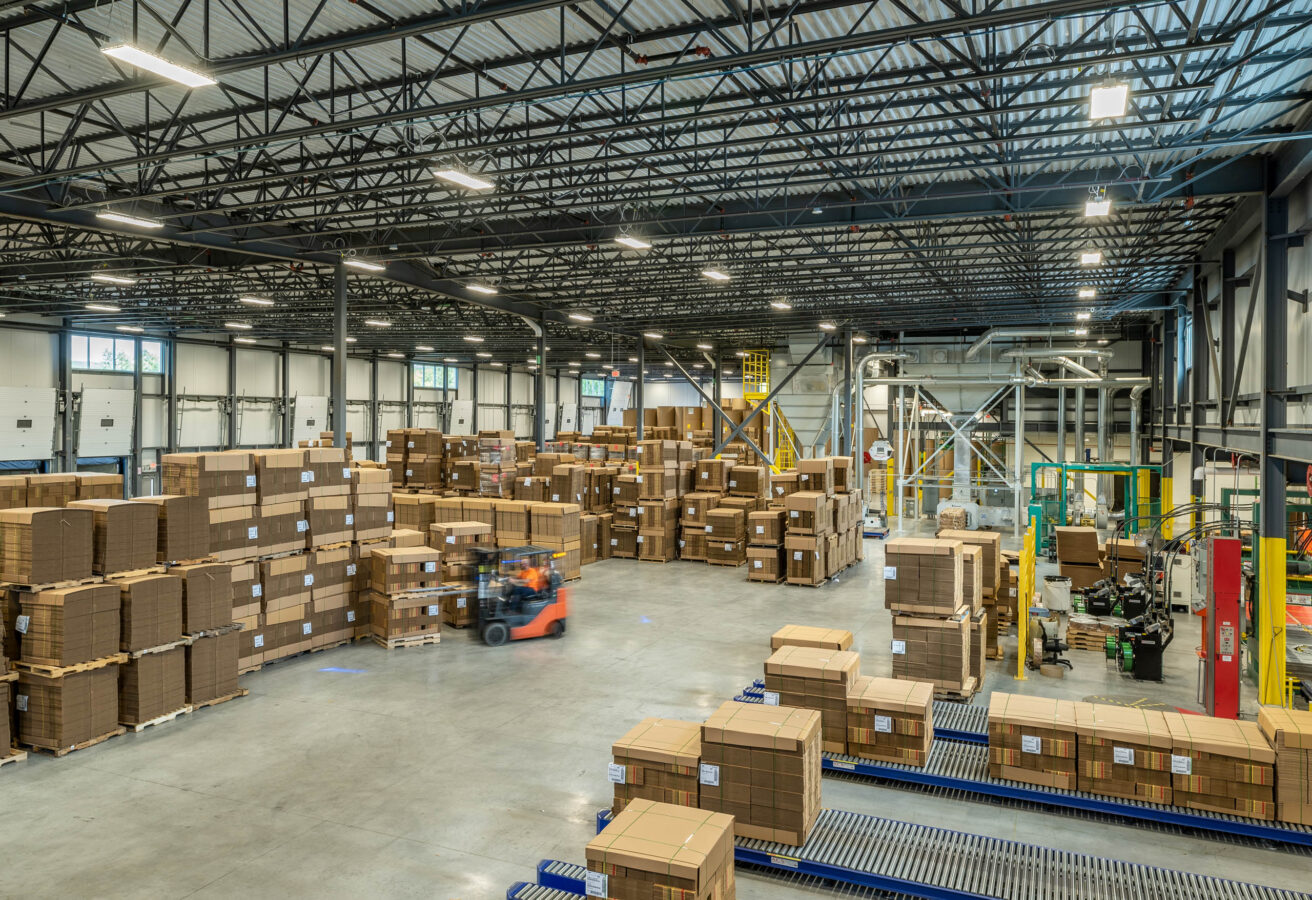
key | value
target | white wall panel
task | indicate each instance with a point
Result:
(357, 379)
(202, 369)
(462, 417)
(521, 388)
(28, 358)
(259, 424)
(309, 374)
(200, 424)
(259, 373)
(27, 422)
(391, 380)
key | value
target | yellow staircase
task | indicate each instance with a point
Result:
(756, 387)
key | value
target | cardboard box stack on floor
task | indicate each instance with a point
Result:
(818, 679)
(1221, 765)
(808, 520)
(761, 765)
(13, 491)
(62, 709)
(1122, 557)
(891, 720)
(556, 526)
(658, 850)
(182, 528)
(125, 535)
(658, 526)
(395, 446)
(424, 458)
(405, 606)
(1289, 731)
(497, 456)
(726, 536)
(45, 545)
(765, 546)
(695, 507)
(1033, 739)
(924, 588)
(658, 759)
(153, 685)
(811, 636)
(1124, 752)
(1079, 557)
(53, 489)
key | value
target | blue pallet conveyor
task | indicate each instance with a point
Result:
(941, 864)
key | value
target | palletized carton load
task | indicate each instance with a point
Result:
(697, 504)
(808, 513)
(125, 535)
(456, 540)
(725, 525)
(68, 626)
(206, 596)
(1222, 765)
(555, 525)
(183, 527)
(936, 650)
(6, 716)
(692, 543)
(287, 589)
(811, 636)
(972, 576)
(890, 720)
(923, 576)
(1078, 544)
(844, 474)
(416, 511)
(234, 532)
(816, 475)
(247, 590)
(990, 542)
(152, 685)
(99, 486)
(56, 712)
(283, 527)
(748, 481)
(765, 528)
(712, 475)
(331, 518)
(1033, 739)
(281, 476)
(804, 556)
(814, 678)
(150, 611)
(394, 570)
(659, 850)
(725, 553)
(658, 483)
(761, 764)
(1289, 731)
(372, 504)
(13, 491)
(212, 666)
(330, 472)
(979, 628)
(223, 479)
(765, 564)
(782, 484)
(335, 573)
(53, 489)
(1124, 751)
(657, 759)
(513, 523)
(45, 545)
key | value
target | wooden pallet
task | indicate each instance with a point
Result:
(190, 562)
(807, 585)
(726, 563)
(764, 580)
(335, 546)
(64, 751)
(52, 585)
(13, 757)
(162, 648)
(967, 691)
(60, 671)
(419, 640)
(240, 692)
(11, 675)
(214, 632)
(135, 573)
(138, 727)
(654, 559)
(333, 646)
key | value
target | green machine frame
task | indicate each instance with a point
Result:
(1052, 513)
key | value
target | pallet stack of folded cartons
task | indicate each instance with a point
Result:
(496, 463)
(425, 458)
(624, 522)
(924, 582)
(1123, 556)
(659, 850)
(182, 532)
(153, 680)
(1123, 751)
(1289, 731)
(556, 526)
(568, 484)
(694, 507)
(371, 505)
(414, 511)
(125, 535)
(1221, 765)
(890, 719)
(814, 678)
(226, 481)
(396, 456)
(761, 765)
(808, 521)
(658, 525)
(13, 491)
(811, 636)
(658, 760)
(456, 542)
(1079, 556)
(1033, 740)
(513, 523)
(99, 486)
(726, 536)
(461, 466)
(45, 545)
(781, 485)
(52, 489)
(404, 597)
(765, 546)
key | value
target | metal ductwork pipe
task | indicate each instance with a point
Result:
(860, 426)
(994, 334)
(1079, 423)
(1054, 352)
(1061, 424)
(1136, 393)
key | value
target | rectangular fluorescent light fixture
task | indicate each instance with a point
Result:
(350, 340)
(1081, 332)
(132, 328)
(714, 275)
(780, 304)
(106, 278)
(244, 340)
(103, 307)
(827, 326)
(125, 219)
(422, 349)
(378, 323)
(594, 356)
(464, 179)
(1095, 208)
(473, 339)
(162, 67)
(1108, 101)
(1087, 293)
(327, 349)
(580, 317)
(1091, 258)
(449, 359)
(575, 365)
(741, 354)
(255, 301)
(396, 355)
(364, 264)
(705, 347)
(499, 364)
(240, 326)
(1082, 317)
(484, 354)
(859, 339)
(654, 335)
(633, 243)
(633, 359)
(481, 288)
(698, 366)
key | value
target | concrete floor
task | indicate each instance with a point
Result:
(449, 772)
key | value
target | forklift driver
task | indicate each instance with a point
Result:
(530, 583)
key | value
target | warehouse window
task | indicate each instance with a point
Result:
(104, 354)
(594, 387)
(152, 357)
(427, 375)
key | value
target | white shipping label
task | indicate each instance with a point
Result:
(733, 483)
(1031, 743)
(430, 567)
(450, 538)
(306, 477)
(596, 884)
(528, 482)
(1182, 765)
(728, 548)
(900, 648)
(756, 563)
(692, 511)
(302, 526)
(350, 569)
(257, 590)
(555, 498)
(434, 611)
(346, 473)
(706, 474)
(884, 724)
(21, 624)
(350, 518)
(410, 445)
(794, 514)
(309, 580)
(390, 516)
(637, 479)
(307, 628)
(770, 698)
(797, 556)
(350, 615)
(460, 603)
(20, 701)
(615, 773)
(615, 490)
(803, 477)
(410, 473)
(259, 640)
(253, 533)
(639, 539)
(890, 573)
(779, 489)
(1123, 756)
(760, 529)
(633, 512)
(614, 542)
(709, 774)
(250, 481)
(708, 529)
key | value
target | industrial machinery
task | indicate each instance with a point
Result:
(1136, 648)
(1128, 600)
(1218, 570)
(519, 594)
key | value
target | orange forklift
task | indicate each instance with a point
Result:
(519, 594)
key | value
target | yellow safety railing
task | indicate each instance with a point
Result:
(784, 440)
(756, 375)
(1025, 596)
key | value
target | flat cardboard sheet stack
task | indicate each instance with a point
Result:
(1033, 739)
(811, 636)
(1079, 557)
(150, 611)
(68, 626)
(45, 545)
(125, 535)
(761, 764)
(1124, 752)
(152, 685)
(814, 678)
(59, 711)
(657, 850)
(1222, 765)
(890, 720)
(657, 759)
(1289, 732)
(183, 533)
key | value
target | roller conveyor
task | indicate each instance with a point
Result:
(952, 721)
(525, 891)
(939, 864)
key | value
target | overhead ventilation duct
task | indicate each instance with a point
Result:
(994, 334)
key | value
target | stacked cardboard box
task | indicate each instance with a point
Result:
(811, 636)
(658, 850)
(924, 581)
(1122, 557)
(1221, 765)
(761, 765)
(1123, 752)
(212, 666)
(396, 456)
(329, 471)
(658, 528)
(152, 685)
(404, 608)
(1079, 557)
(53, 489)
(371, 505)
(125, 535)
(726, 536)
(68, 626)
(1289, 731)
(331, 520)
(182, 528)
(695, 506)
(809, 518)
(42, 545)
(496, 463)
(890, 720)
(814, 678)
(568, 484)
(765, 546)
(513, 523)
(425, 458)
(99, 486)
(924, 576)
(206, 596)
(1033, 739)
(13, 491)
(816, 475)
(150, 608)
(934, 649)
(556, 526)
(657, 759)
(60, 709)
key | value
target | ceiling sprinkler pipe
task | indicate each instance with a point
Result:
(996, 333)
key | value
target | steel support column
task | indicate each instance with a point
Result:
(505, 384)
(637, 388)
(1061, 424)
(373, 405)
(171, 407)
(232, 394)
(473, 383)
(1199, 354)
(132, 478)
(540, 390)
(1020, 462)
(286, 378)
(1228, 285)
(339, 356)
(845, 433)
(410, 392)
(1081, 403)
(1169, 387)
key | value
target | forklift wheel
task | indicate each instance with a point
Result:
(557, 628)
(495, 634)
